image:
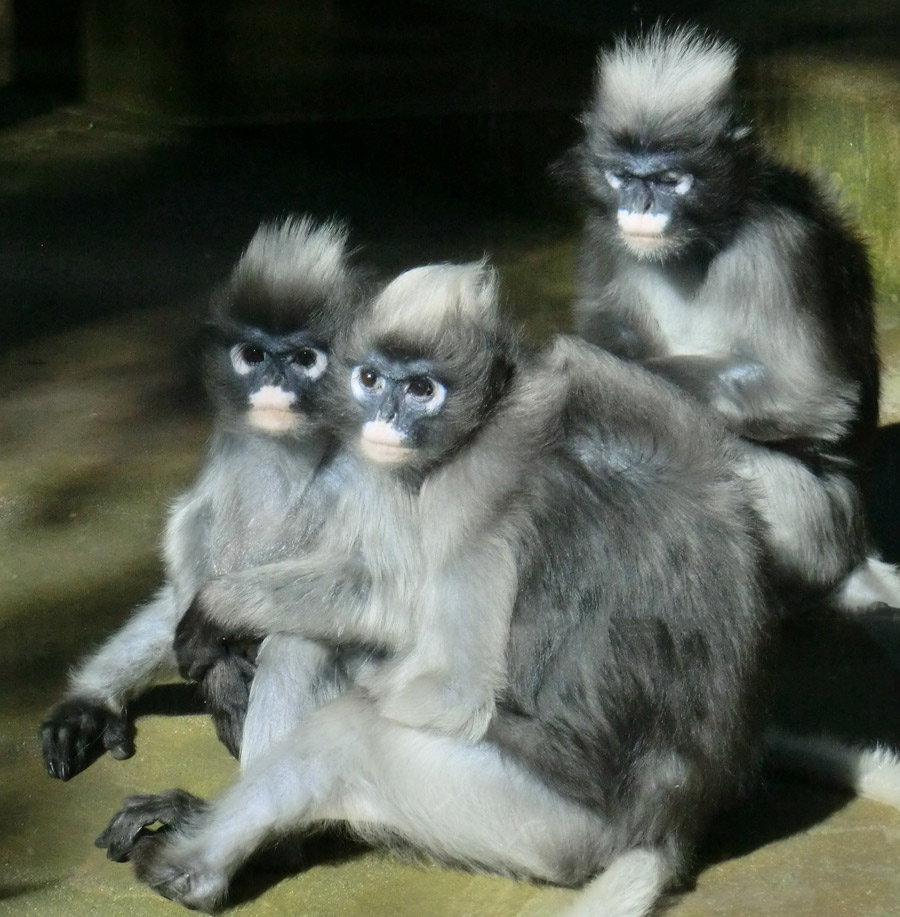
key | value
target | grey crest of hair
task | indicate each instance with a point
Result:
(560, 565)
(257, 499)
(739, 280)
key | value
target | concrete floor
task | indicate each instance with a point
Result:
(113, 230)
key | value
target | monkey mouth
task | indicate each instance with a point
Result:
(645, 241)
(270, 410)
(382, 443)
(385, 453)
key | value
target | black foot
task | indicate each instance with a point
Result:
(128, 827)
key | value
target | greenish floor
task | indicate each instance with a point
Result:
(116, 230)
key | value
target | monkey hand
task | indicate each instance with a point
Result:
(77, 731)
(225, 690)
(199, 643)
(430, 702)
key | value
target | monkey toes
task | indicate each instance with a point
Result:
(128, 827)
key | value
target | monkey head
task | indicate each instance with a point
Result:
(272, 323)
(667, 159)
(424, 367)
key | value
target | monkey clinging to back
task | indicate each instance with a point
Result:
(737, 279)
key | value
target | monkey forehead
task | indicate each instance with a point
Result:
(280, 343)
(642, 159)
(399, 359)
(252, 305)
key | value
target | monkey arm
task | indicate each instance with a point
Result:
(449, 680)
(91, 718)
(760, 401)
(316, 597)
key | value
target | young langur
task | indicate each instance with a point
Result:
(737, 279)
(555, 541)
(258, 498)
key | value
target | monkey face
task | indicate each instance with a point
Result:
(650, 195)
(399, 405)
(270, 382)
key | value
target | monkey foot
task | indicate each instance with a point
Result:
(171, 809)
(175, 875)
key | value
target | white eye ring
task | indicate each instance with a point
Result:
(317, 370)
(431, 403)
(241, 366)
(364, 392)
(612, 180)
(685, 185)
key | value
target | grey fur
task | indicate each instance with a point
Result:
(756, 299)
(256, 500)
(568, 563)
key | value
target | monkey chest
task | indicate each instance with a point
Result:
(681, 323)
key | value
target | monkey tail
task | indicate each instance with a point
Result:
(869, 771)
(630, 886)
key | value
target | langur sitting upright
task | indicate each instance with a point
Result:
(553, 546)
(738, 280)
(257, 499)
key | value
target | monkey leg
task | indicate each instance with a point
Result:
(465, 804)
(293, 677)
(815, 520)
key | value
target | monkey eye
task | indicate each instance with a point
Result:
(311, 361)
(613, 179)
(422, 387)
(427, 392)
(244, 357)
(365, 380)
(680, 182)
(305, 357)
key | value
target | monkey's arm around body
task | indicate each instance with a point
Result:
(407, 563)
(740, 330)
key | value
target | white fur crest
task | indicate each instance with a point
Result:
(298, 248)
(663, 74)
(427, 297)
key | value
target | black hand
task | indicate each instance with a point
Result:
(76, 732)
(225, 690)
(198, 643)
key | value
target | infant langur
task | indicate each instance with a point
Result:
(737, 279)
(551, 545)
(259, 498)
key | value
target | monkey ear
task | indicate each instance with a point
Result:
(568, 173)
